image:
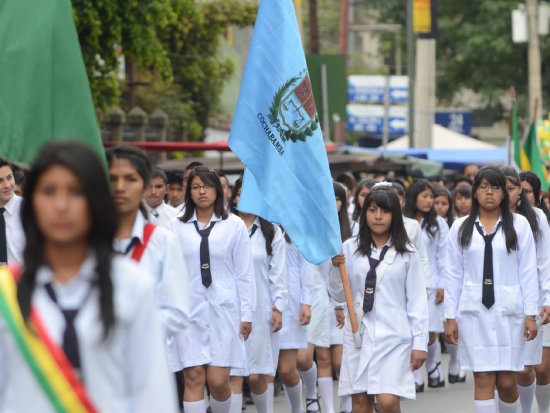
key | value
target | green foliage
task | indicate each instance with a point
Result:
(175, 43)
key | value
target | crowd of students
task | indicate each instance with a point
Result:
(149, 273)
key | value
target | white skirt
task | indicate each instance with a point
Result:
(546, 336)
(262, 353)
(336, 334)
(319, 330)
(436, 313)
(292, 335)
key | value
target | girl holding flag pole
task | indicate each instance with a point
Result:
(92, 313)
(387, 286)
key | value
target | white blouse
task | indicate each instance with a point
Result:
(163, 259)
(126, 373)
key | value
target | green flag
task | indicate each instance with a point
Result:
(533, 160)
(44, 90)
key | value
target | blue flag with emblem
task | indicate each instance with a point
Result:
(276, 134)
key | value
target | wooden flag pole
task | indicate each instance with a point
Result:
(349, 303)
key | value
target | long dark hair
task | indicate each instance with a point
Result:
(536, 184)
(210, 177)
(343, 218)
(430, 218)
(85, 164)
(445, 192)
(365, 183)
(495, 177)
(524, 206)
(385, 198)
(267, 228)
(139, 160)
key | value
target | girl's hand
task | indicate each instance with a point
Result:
(305, 315)
(339, 259)
(340, 318)
(439, 295)
(545, 314)
(530, 329)
(245, 330)
(418, 357)
(276, 321)
(451, 331)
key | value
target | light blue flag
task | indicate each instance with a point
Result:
(276, 134)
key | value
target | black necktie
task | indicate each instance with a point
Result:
(253, 230)
(488, 297)
(131, 245)
(370, 281)
(205, 253)
(70, 338)
(3, 240)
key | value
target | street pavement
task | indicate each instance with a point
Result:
(453, 398)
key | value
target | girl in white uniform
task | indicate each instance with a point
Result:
(262, 347)
(419, 205)
(361, 191)
(216, 249)
(541, 232)
(531, 185)
(389, 297)
(322, 329)
(491, 292)
(130, 172)
(443, 205)
(297, 315)
(117, 347)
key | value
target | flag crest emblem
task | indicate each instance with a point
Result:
(293, 112)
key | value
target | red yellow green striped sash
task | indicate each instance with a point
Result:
(46, 359)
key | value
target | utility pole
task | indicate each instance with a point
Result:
(410, 72)
(535, 82)
(425, 91)
(313, 28)
(344, 10)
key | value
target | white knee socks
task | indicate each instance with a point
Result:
(526, 397)
(294, 397)
(222, 407)
(261, 401)
(454, 363)
(326, 390)
(434, 357)
(504, 407)
(309, 377)
(485, 406)
(271, 395)
(195, 407)
(543, 398)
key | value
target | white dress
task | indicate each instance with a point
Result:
(212, 337)
(491, 339)
(436, 247)
(319, 328)
(163, 259)
(300, 275)
(126, 373)
(533, 348)
(262, 346)
(397, 323)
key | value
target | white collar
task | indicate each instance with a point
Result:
(12, 204)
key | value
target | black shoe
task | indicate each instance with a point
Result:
(419, 387)
(457, 378)
(309, 402)
(436, 382)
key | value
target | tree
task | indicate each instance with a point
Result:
(175, 43)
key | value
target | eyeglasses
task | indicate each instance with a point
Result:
(493, 188)
(197, 188)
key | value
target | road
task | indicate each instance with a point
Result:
(453, 398)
